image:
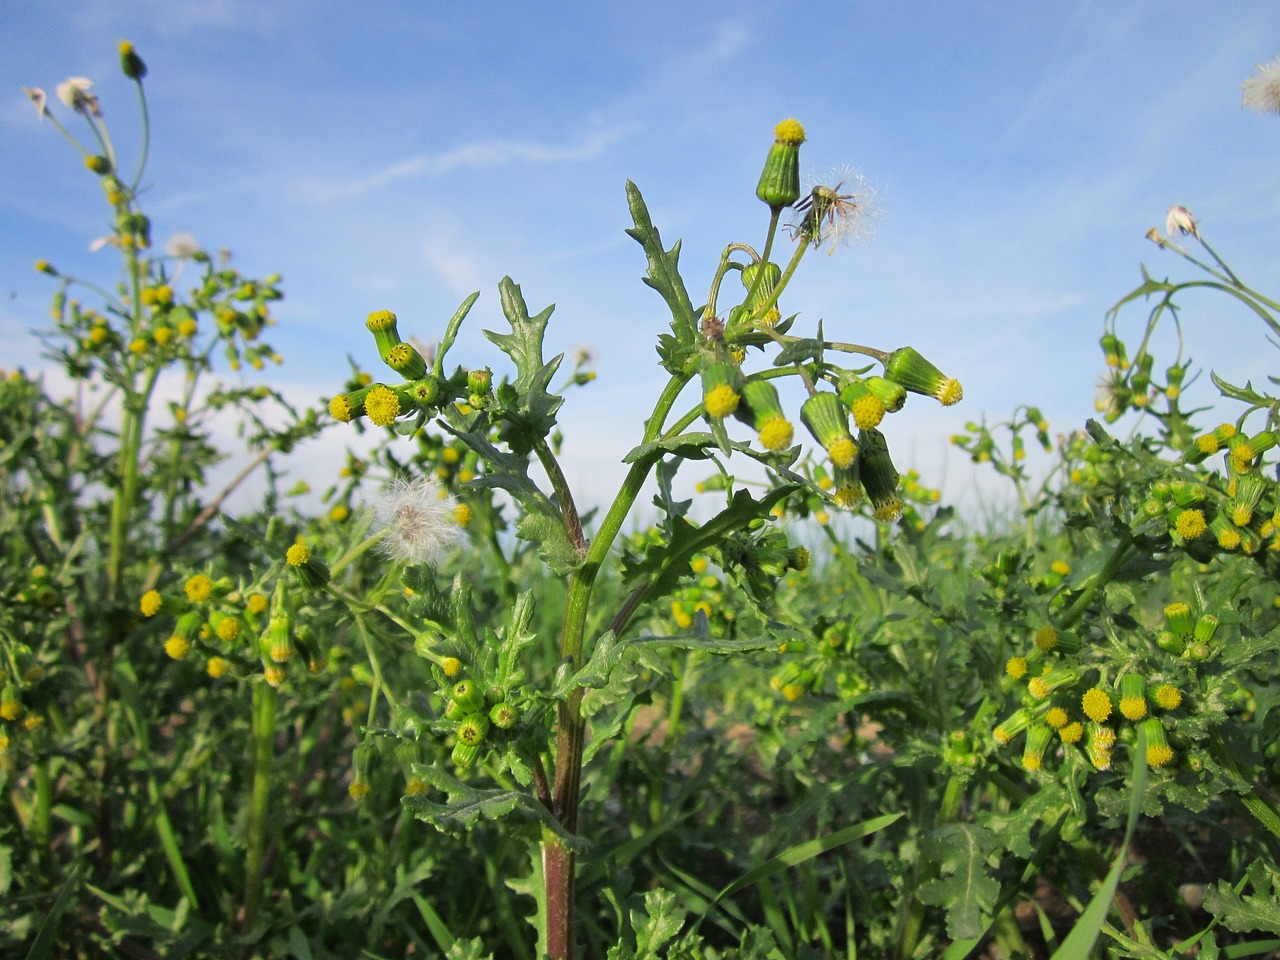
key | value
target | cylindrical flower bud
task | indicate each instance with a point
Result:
(867, 408)
(98, 164)
(350, 406)
(828, 421)
(480, 382)
(1040, 687)
(907, 367)
(405, 360)
(1038, 739)
(761, 279)
(473, 728)
(1133, 696)
(779, 184)
(468, 695)
(465, 754)
(503, 716)
(1206, 626)
(878, 475)
(130, 63)
(763, 410)
(892, 395)
(1013, 725)
(1158, 750)
(382, 324)
(848, 487)
(721, 389)
(425, 392)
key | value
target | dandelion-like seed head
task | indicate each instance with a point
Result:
(1180, 221)
(419, 518)
(840, 215)
(1261, 92)
(74, 92)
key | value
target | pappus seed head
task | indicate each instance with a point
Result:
(418, 518)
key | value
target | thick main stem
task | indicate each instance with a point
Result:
(557, 859)
(264, 715)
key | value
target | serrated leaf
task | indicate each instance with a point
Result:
(1244, 913)
(658, 924)
(965, 889)
(466, 804)
(528, 419)
(664, 276)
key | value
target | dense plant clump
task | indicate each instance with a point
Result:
(450, 715)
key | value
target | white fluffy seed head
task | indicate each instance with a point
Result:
(418, 517)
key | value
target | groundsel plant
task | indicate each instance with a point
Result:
(529, 731)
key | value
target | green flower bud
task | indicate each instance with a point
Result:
(878, 475)
(473, 728)
(1206, 627)
(1039, 737)
(892, 395)
(382, 324)
(828, 421)
(405, 360)
(453, 711)
(721, 389)
(468, 695)
(1133, 696)
(503, 716)
(350, 406)
(1158, 750)
(98, 164)
(768, 275)
(779, 184)
(1040, 687)
(1170, 642)
(867, 408)
(465, 754)
(1013, 725)
(130, 63)
(425, 391)
(762, 409)
(480, 381)
(908, 368)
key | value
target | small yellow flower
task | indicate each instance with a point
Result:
(776, 433)
(1167, 696)
(199, 588)
(698, 565)
(177, 646)
(187, 328)
(256, 603)
(1072, 733)
(138, 346)
(382, 405)
(273, 675)
(1056, 717)
(463, 515)
(151, 603)
(414, 786)
(721, 401)
(842, 452)
(1096, 704)
(868, 411)
(1060, 567)
(217, 667)
(297, 555)
(359, 789)
(792, 691)
(228, 629)
(1046, 638)
(1016, 667)
(1190, 524)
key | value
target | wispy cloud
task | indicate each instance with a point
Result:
(472, 156)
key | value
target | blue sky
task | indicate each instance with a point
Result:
(401, 155)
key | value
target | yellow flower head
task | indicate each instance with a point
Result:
(359, 789)
(1016, 667)
(217, 667)
(177, 646)
(297, 555)
(721, 401)
(382, 405)
(1096, 704)
(228, 629)
(151, 603)
(868, 411)
(1167, 696)
(256, 603)
(776, 433)
(1190, 524)
(199, 588)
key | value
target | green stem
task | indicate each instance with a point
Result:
(557, 859)
(1119, 557)
(264, 715)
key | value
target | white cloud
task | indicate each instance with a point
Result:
(472, 156)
